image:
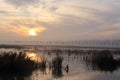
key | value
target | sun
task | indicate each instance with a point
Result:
(32, 32)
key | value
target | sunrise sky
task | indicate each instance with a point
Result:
(59, 19)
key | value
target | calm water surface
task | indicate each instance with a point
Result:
(76, 66)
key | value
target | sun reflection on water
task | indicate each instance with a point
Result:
(33, 56)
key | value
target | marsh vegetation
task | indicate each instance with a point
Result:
(17, 65)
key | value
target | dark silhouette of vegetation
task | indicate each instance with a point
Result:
(13, 63)
(102, 60)
(42, 65)
(12, 77)
(57, 67)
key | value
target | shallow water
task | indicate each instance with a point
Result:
(81, 67)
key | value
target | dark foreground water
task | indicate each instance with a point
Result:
(74, 65)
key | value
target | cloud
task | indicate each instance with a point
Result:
(46, 4)
(20, 3)
(66, 19)
(24, 30)
(21, 27)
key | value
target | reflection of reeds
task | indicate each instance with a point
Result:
(102, 60)
(14, 63)
(42, 65)
(57, 66)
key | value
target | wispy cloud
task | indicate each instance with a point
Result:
(63, 19)
(24, 31)
(22, 27)
(21, 3)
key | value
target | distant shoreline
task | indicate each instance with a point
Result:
(11, 46)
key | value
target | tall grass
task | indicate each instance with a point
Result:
(13, 63)
(102, 60)
(57, 66)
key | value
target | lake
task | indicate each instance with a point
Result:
(73, 65)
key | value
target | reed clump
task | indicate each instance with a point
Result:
(16, 63)
(57, 66)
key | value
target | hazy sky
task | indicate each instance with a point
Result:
(59, 19)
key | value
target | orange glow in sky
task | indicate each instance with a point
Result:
(26, 31)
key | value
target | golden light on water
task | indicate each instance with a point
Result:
(33, 56)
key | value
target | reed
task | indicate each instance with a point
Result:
(57, 66)
(13, 63)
